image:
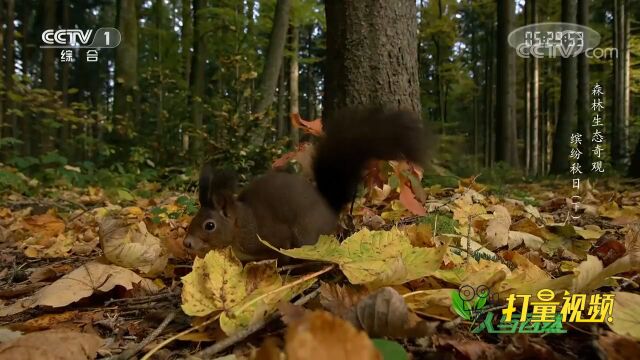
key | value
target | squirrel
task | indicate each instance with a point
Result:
(287, 210)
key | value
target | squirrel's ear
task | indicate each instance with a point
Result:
(217, 187)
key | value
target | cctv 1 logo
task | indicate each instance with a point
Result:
(76, 38)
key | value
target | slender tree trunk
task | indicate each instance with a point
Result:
(619, 124)
(534, 114)
(10, 64)
(634, 168)
(584, 118)
(3, 72)
(186, 41)
(294, 95)
(527, 98)
(126, 71)
(371, 55)
(197, 74)
(66, 127)
(488, 98)
(275, 52)
(506, 133)
(568, 97)
(311, 83)
(281, 117)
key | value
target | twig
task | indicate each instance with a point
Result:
(143, 299)
(297, 266)
(241, 335)
(132, 351)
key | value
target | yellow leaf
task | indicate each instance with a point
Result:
(626, 314)
(244, 295)
(375, 258)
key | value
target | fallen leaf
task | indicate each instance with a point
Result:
(376, 258)
(132, 246)
(45, 225)
(617, 347)
(626, 314)
(516, 238)
(497, 233)
(246, 294)
(79, 284)
(51, 345)
(328, 338)
(408, 199)
(341, 300)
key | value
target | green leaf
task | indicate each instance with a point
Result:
(458, 305)
(390, 350)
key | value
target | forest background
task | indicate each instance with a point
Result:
(202, 79)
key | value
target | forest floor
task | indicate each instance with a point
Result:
(83, 275)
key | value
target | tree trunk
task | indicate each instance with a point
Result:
(634, 168)
(371, 55)
(534, 113)
(281, 118)
(186, 38)
(126, 72)
(3, 73)
(488, 98)
(619, 124)
(506, 133)
(294, 99)
(197, 74)
(10, 63)
(584, 118)
(275, 52)
(568, 97)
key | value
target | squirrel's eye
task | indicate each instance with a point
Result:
(209, 226)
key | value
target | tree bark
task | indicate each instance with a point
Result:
(126, 72)
(568, 97)
(506, 133)
(3, 73)
(584, 118)
(281, 118)
(634, 168)
(371, 55)
(197, 74)
(534, 113)
(619, 124)
(294, 94)
(275, 52)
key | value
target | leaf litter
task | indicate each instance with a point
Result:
(118, 268)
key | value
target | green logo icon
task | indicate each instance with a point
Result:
(468, 302)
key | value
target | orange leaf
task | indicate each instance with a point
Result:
(313, 127)
(408, 199)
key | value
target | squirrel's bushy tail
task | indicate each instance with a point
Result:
(357, 136)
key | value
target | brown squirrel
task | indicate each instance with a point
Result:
(285, 209)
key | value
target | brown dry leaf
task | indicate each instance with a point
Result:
(384, 313)
(341, 300)
(132, 246)
(52, 345)
(617, 347)
(46, 321)
(471, 349)
(46, 225)
(497, 233)
(409, 201)
(420, 235)
(318, 335)
(79, 284)
(523, 346)
(516, 238)
(313, 127)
